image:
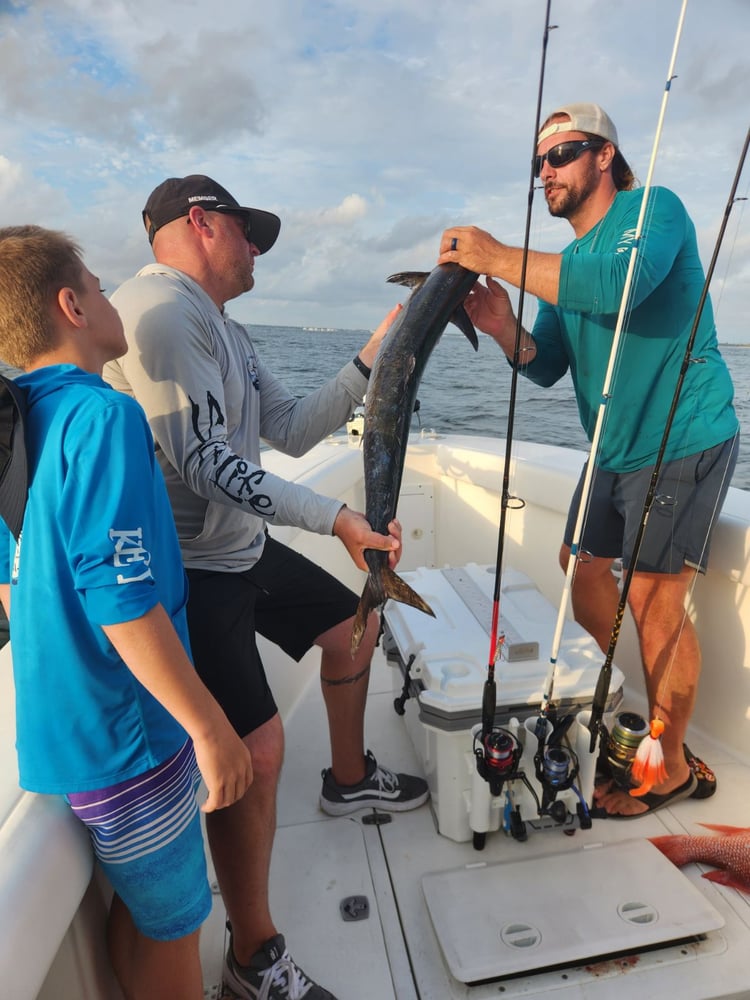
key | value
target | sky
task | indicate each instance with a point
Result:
(368, 126)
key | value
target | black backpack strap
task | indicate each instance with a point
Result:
(14, 472)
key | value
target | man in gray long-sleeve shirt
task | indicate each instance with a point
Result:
(210, 399)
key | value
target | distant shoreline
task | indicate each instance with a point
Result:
(347, 329)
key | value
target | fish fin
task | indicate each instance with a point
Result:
(377, 590)
(461, 319)
(368, 602)
(399, 590)
(412, 279)
(727, 830)
(727, 878)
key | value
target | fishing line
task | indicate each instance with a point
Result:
(730, 256)
(496, 642)
(648, 765)
(598, 428)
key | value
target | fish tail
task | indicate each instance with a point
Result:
(380, 587)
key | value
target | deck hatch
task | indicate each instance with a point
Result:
(517, 917)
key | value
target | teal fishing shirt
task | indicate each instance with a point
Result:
(577, 335)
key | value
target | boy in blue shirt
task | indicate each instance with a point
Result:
(110, 712)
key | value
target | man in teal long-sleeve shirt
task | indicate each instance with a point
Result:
(588, 182)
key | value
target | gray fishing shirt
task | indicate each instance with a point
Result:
(210, 400)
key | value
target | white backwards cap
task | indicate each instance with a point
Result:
(588, 118)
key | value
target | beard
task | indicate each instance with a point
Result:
(244, 278)
(564, 200)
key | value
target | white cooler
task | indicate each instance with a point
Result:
(443, 668)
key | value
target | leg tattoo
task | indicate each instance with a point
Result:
(349, 679)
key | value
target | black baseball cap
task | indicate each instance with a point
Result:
(174, 198)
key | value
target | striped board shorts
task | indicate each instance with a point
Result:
(146, 835)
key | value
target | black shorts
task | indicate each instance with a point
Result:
(687, 500)
(286, 598)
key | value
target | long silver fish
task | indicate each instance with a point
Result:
(437, 299)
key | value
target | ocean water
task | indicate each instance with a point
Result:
(464, 392)
(467, 392)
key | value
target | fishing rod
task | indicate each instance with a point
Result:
(599, 424)
(491, 754)
(648, 765)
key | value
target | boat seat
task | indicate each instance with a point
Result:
(46, 863)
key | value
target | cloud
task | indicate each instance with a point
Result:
(368, 125)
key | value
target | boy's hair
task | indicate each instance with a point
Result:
(35, 263)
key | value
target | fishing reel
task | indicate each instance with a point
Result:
(530, 776)
(497, 754)
(621, 746)
(556, 767)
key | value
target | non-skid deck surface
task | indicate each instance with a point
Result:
(395, 953)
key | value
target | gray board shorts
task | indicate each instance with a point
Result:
(687, 500)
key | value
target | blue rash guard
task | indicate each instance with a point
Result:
(98, 547)
(577, 334)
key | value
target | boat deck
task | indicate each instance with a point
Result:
(53, 912)
(319, 861)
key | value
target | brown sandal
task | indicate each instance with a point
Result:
(706, 778)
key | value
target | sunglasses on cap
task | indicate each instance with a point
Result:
(564, 153)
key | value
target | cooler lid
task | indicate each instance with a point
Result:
(451, 651)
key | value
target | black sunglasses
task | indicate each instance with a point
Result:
(242, 216)
(564, 153)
